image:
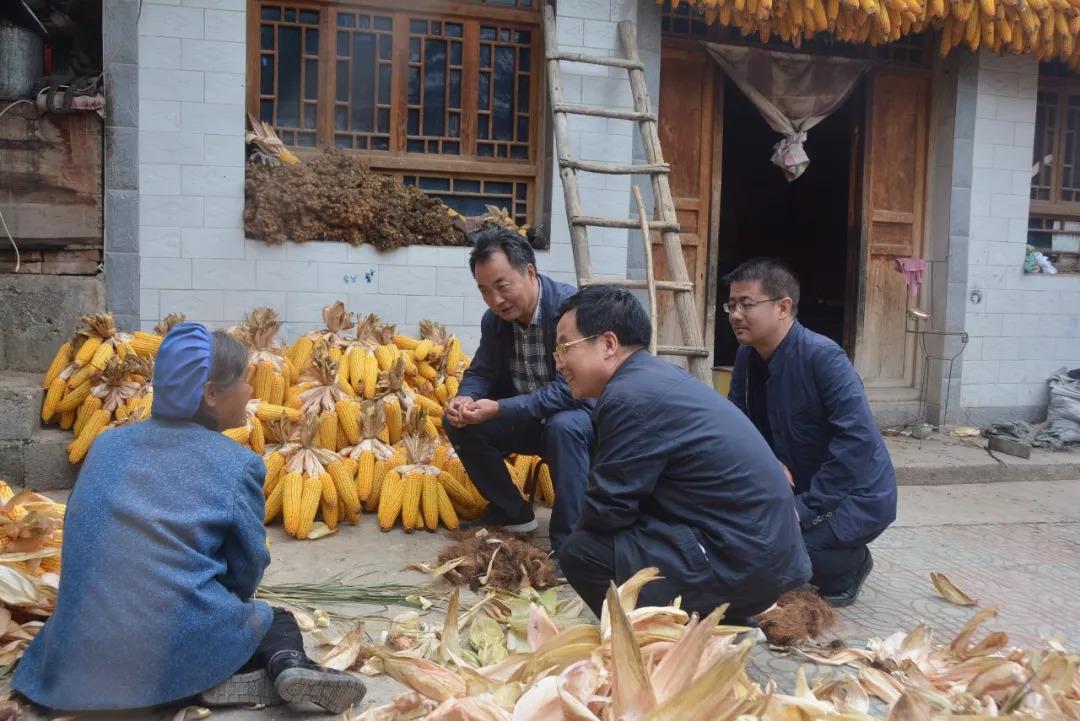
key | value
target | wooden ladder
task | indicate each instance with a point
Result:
(693, 348)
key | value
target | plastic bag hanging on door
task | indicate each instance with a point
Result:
(790, 156)
(792, 92)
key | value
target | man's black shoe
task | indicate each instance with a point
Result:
(298, 678)
(494, 518)
(848, 595)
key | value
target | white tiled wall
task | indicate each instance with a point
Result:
(1025, 326)
(194, 257)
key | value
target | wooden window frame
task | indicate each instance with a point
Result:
(398, 162)
(1055, 208)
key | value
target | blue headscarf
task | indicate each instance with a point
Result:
(181, 371)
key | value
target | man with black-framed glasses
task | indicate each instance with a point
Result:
(511, 399)
(804, 396)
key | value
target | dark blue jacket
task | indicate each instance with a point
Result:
(683, 481)
(164, 547)
(823, 431)
(489, 376)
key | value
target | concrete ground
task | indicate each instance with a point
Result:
(1012, 544)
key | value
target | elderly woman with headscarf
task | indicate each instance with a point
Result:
(164, 547)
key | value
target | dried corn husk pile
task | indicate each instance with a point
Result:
(658, 663)
(99, 379)
(31, 534)
(1046, 29)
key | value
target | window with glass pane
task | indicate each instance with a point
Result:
(1055, 169)
(436, 57)
(363, 73)
(289, 72)
(470, 196)
(505, 89)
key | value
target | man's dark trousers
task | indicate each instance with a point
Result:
(563, 440)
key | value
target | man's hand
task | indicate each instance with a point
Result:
(480, 411)
(454, 410)
(790, 480)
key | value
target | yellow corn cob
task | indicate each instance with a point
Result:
(422, 349)
(93, 367)
(427, 370)
(270, 412)
(432, 407)
(278, 387)
(328, 431)
(52, 399)
(50, 564)
(431, 427)
(328, 501)
(240, 434)
(87, 409)
(410, 502)
(391, 497)
(383, 356)
(293, 490)
(522, 465)
(60, 361)
(365, 475)
(263, 381)
(455, 489)
(404, 342)
(409, 363)
(93, 426)
(87, 350)
(300, 353)
(371, 375)
(545, 487)
(74, 398)
(257, 440)
(274, 503)
(442, 456)
(275, 463)
(357, 368)
(145, 344)
(309, 506)
(441, 394)
(383, 435)
(349, 420)
(452, 386)
(67, 420)
(345, 487)
(456, 469)
(454, 356)
(346, 375)
(429, 501)
(336, 354)
(121, 413)
(447, 514)
(393, 418)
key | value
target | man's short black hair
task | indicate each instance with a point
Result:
(777, 279)
(488, 242)
(603, 308)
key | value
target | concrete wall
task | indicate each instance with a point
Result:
(194, 257)
(1023, 327)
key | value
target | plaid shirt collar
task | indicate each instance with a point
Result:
(529, 367)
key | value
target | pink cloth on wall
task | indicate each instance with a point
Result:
(912, 269)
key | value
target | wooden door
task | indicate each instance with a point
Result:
(894, 196)
(688, 116)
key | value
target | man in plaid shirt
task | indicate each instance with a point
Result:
(511, 399)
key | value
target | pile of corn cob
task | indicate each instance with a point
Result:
(100, 378)
(1046, 29)
(334, 413)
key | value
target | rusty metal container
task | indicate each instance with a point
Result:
(21, 58)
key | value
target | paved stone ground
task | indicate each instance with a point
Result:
(1012, 544)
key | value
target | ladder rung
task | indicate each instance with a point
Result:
(659, 226)
(596, 60)
(598, 112)
(615, 168)
(675, 285)
(683, 350)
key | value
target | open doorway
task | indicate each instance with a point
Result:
(808, 222)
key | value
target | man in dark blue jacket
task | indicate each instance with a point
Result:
(801, 391)
(680, 478)
(511, 399)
